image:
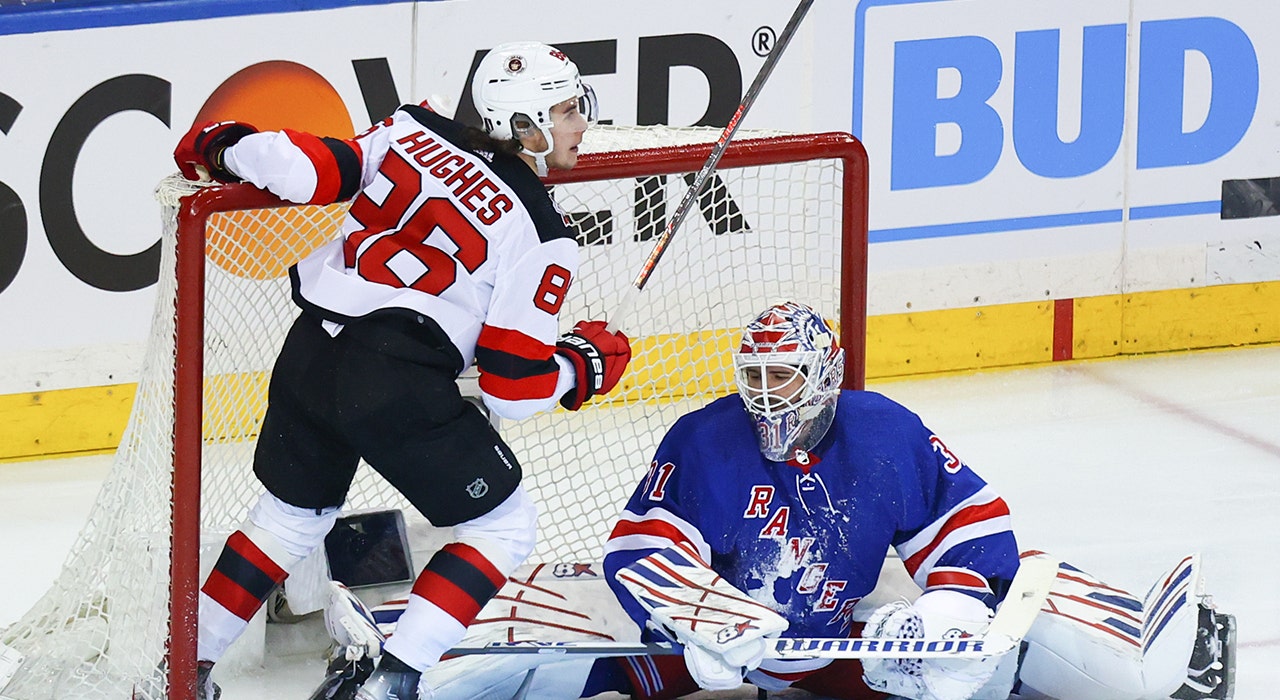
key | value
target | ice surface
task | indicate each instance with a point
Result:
(1118, 466)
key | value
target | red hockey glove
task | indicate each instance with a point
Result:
(203, 145)
(599, 359)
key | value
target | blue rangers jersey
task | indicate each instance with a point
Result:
(808, 537)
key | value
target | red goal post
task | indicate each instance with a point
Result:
(785, 215)
(618, 165)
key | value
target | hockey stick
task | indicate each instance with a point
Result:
(700, 181)
(790, 648)
(1026, 595)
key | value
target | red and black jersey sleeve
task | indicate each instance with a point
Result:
(515, 352)
(514, 366)
(300, 167)
(337, 163)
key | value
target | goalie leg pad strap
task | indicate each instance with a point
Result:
(351, 625)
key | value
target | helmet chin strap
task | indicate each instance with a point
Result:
(540, 157)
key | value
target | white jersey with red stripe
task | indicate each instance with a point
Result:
(470, 240)
(807, 537)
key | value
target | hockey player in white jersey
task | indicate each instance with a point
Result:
(452, 252)
(1091, 641)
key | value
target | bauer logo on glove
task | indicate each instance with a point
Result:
(598, 357)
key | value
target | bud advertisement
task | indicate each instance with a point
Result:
(1019, 150)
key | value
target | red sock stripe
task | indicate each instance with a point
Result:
(243, 577)
(447, 596)
(472, 556)
(245, 547)
(459, 581)
(231, 595)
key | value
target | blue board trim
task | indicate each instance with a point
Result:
(85, 14)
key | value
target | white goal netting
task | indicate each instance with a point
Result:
(774, 223)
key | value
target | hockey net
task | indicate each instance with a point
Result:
(783, 217)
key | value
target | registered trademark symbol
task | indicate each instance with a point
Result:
(762, 42)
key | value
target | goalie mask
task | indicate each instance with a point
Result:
(517, 84)
(789, 369)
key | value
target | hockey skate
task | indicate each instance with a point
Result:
(154, 687)
(343, 678)
(206, 689)
(1211, 673)
(392, 681)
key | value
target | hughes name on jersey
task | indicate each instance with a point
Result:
(470, 240)
(808, 537)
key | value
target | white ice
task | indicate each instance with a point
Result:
(1117, 466)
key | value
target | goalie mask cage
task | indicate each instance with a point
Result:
(783, 216)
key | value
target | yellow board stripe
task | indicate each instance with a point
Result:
(47, 423)
(91, 419)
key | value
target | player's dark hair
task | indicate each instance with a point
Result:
(478, 140)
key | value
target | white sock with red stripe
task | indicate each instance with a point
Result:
(255, 560)
(447, 596)
(461, 578)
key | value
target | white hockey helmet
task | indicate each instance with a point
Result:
(789, 368)
(521, 81)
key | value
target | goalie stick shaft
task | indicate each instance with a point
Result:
(700, 181)
(1022, 603)
(788, 648)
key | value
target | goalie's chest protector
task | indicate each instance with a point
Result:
(807, 537)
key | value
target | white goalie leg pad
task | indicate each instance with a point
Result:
(696, 607)
(351, 625)
(562, 602)
(1097, 641)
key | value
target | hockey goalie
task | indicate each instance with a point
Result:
(765, 518)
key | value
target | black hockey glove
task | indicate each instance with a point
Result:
(203, 145)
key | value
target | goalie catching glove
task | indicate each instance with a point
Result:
(939, 614)
(723, 631)
(202, 148)
(598, 357)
